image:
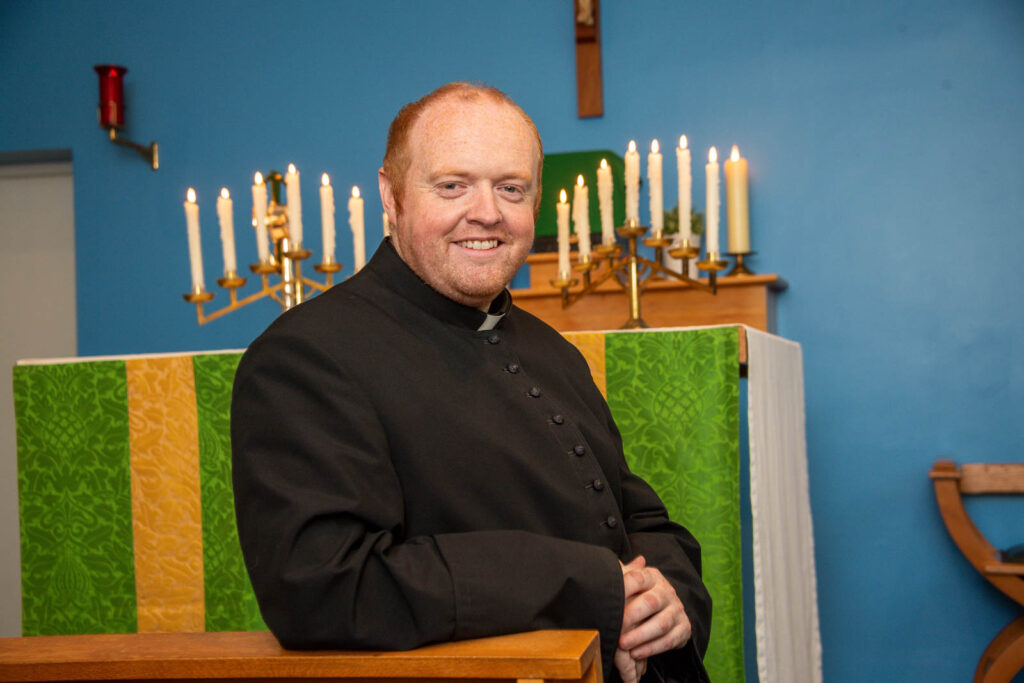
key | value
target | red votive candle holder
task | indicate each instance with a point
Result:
(111, 109)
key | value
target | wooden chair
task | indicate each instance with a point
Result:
(256, 657)
(1004, 656)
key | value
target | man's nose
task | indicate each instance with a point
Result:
(483, 208)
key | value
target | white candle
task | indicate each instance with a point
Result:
(327, 217)
(604, 198)
(355, 221)
(581, 217)
(195, 253)
(683, 165)
(713, 199)
(226, 216)
(654, 180)
(291, 182)
(563, 236)
(632, 182)
(259, 212)
(387, 224)
(737, 202)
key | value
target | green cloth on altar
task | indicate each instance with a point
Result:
(675, 398)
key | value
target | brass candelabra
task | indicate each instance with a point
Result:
(633, 272)
(285, 262)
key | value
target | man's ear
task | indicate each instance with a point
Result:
(387, 196)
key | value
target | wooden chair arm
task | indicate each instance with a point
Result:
(257, 656)
(974, 546)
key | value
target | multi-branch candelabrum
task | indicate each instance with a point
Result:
(285, 263)
(634, 272)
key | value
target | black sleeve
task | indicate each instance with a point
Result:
(320, 517)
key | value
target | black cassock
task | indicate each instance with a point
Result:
(402, 477)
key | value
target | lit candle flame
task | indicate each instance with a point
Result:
(325, 179)
(654, 147)
(291, 168)
(735, 155)
(258, 178)
(224, 193)
(191, 195)
(682, 142)
(604, 163)
(713, 155)
(563, 197)
(579, 180)
(355, 191)
(632, 145)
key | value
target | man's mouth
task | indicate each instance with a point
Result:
(478, 245)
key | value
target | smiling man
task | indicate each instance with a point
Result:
(417, 460)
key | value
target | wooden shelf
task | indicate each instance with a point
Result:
(257, 656)
(748, 300)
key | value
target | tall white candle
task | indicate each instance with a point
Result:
(683, 165)
(605, 202)
(291, 182)
(713, 200)
(563, 236)
(387, 224)
(259, 213)
(327, 217)
(226, 216)
(656, 190)
(737, 202)
(581, 217)
(355, 221)
(632, 182)
(195, 252)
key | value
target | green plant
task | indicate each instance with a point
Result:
(672, 221)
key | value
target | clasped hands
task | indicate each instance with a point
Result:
(653, 620)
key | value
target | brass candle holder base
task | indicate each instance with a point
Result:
(684, 251)
(264, 268)
(329, 267)
(713, 263)
(740, 268)
(198, 296)
(231, 281)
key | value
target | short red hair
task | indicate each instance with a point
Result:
(396, 155)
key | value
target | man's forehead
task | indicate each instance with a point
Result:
(455, 117)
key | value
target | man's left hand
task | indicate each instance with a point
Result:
(654, 620)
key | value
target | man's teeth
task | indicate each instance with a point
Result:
(479, 244)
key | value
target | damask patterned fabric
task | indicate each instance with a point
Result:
(127, 514)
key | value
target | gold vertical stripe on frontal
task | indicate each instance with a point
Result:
(166, 507)
(591, 345)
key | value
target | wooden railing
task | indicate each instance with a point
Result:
(257, 657)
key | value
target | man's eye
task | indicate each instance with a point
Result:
(511, 189)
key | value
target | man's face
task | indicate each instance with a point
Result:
(467, 217)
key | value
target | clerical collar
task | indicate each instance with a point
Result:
(396, 274)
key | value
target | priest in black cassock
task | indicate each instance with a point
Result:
(417, 460)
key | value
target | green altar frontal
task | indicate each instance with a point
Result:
(124, 478)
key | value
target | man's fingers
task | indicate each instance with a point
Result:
(638, 562)
(677, 637)
(636, 581)
(628, 670)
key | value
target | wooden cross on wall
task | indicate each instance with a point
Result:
(589, 91)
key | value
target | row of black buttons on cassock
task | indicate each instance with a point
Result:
(578, 449)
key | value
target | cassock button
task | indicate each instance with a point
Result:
(578, 449)
(611, 522)
(599, 486)
(493, 339)
(535, 392)
(557, 419)
(512, 367)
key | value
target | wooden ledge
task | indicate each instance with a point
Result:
(538, 655)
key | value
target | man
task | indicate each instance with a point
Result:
(415, 460)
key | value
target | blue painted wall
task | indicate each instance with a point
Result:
(885, 145)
